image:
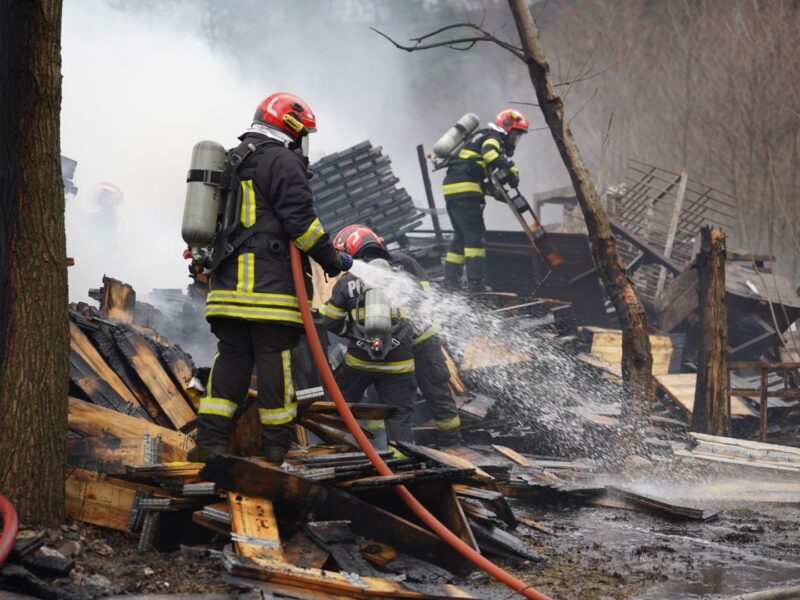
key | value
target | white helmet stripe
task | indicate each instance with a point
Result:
(271, 110)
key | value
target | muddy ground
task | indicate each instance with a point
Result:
(594, 552)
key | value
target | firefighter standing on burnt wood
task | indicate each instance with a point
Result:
(251, 304)
(388, 365)
(487, 150)
(430, 369)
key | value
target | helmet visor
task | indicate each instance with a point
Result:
(513, 137)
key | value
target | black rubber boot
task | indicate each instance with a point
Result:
(449, 439)
(475, 286)
(203, 453)
(275, 456)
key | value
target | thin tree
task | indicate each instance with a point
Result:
(34, 341)
(637, 361)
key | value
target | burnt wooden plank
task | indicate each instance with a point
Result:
(118, 300)
(327, 503)
(254, 528)
(347, 584)
(501, 543)
(301, 551)
(407, 477)
(336, 538)
(93, 421)
(662, 506)
(145, 362)
(95, 378)
(100, 500)
(99, 332)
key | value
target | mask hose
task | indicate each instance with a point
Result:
(352, 425)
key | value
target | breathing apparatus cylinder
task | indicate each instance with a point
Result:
(377, 314)
(456, 135)
(377, 309)
(202, 206)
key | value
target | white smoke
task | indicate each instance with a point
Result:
(137, 95)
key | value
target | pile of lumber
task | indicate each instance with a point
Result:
(324, 523)
(735, 453)
(357, 185)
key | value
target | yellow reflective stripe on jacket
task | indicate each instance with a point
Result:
(400, 366)
(491, 155)
(278, 416)
(332, 312)
(257, 313)
(456, 259)
(306, 241)
(490, 142)
(471, 155)
(474, 252)
(288, 382)
(247, 216)
(235, 297)
(447, 424)
(374, 424)
(425, 285)
(216, 406)
(432, 331)
(246, 275)
(461, 188)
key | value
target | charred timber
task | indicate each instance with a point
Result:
(711, 412)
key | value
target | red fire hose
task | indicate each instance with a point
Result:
(10, 528)
(344, 410)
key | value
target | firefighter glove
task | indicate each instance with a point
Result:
(347, 261)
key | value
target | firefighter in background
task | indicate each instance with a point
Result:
(344, 314)
(251, 303)
(487, 150)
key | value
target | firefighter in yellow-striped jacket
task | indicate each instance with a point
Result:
(392, 373)
(464, 187)
(251, 303)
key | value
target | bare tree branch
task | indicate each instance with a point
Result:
(460, 44)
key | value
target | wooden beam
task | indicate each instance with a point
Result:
(652, 255)
(99, 500)
(97, 422)
(347, 584)
(254, 530)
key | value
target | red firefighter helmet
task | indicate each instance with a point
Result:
(510, 119)
(106, 194)
(356, 240)
(287, 113)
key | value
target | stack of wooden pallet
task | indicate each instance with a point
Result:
(357, 186)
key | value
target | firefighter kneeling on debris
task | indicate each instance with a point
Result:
(391, 361)
(251, 303)
(464, 187)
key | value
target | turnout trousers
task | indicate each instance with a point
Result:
(398, 390)
(467, 247)
(433, 380)
(242, 345)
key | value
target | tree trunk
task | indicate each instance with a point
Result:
(710, 412)
(637, 362)
(34, 339)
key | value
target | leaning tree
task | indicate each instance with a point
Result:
(637, 361)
